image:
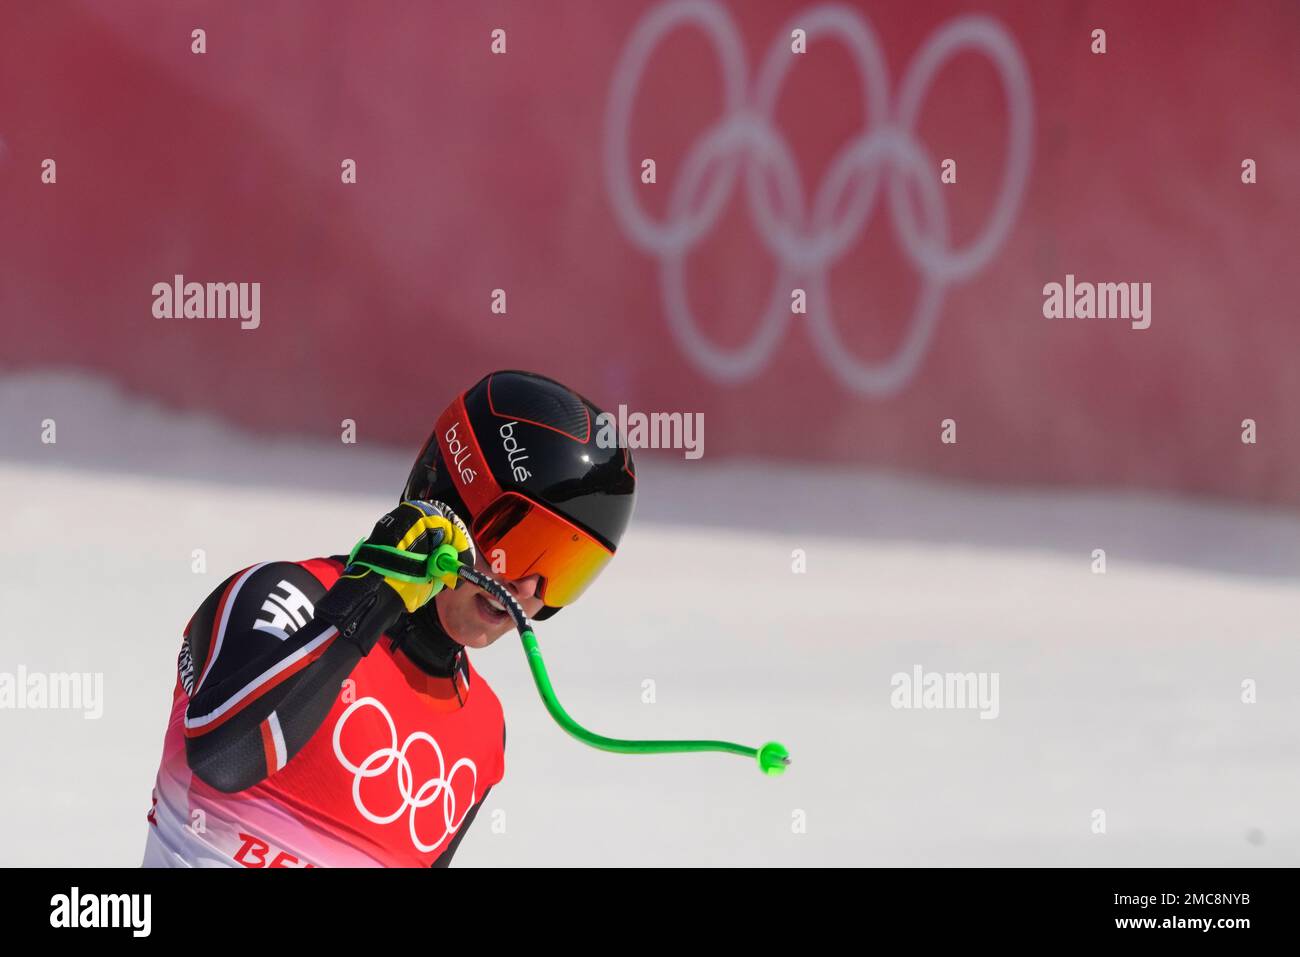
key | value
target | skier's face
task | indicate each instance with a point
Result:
(473, 619)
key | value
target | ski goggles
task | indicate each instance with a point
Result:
(518, 537)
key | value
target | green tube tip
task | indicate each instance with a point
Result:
(446, 560)
(773, 758)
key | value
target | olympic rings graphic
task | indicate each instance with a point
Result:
(412, 800)
(805, 246)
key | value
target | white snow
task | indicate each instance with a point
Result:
(1119, 692)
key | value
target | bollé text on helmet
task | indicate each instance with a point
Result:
(515, 452)
(460, 454)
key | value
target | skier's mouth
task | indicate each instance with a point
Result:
(491, 611)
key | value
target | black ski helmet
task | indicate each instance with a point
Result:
(544, 482)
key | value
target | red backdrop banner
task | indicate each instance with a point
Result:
(778, 174)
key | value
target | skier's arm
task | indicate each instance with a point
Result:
(269, 650)
(256, 697)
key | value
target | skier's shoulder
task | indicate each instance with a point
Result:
(309, 575)
(273, 597)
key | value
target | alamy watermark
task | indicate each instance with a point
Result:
(127, 911)
(934, 690)
(1102, 300)
(53, 691)
(179, 299)
(652, 430)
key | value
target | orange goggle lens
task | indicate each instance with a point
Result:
(518, 538)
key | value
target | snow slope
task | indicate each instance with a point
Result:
(1119, 691)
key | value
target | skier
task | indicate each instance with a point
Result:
(325, 711)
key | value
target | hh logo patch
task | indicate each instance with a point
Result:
(285, 611)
